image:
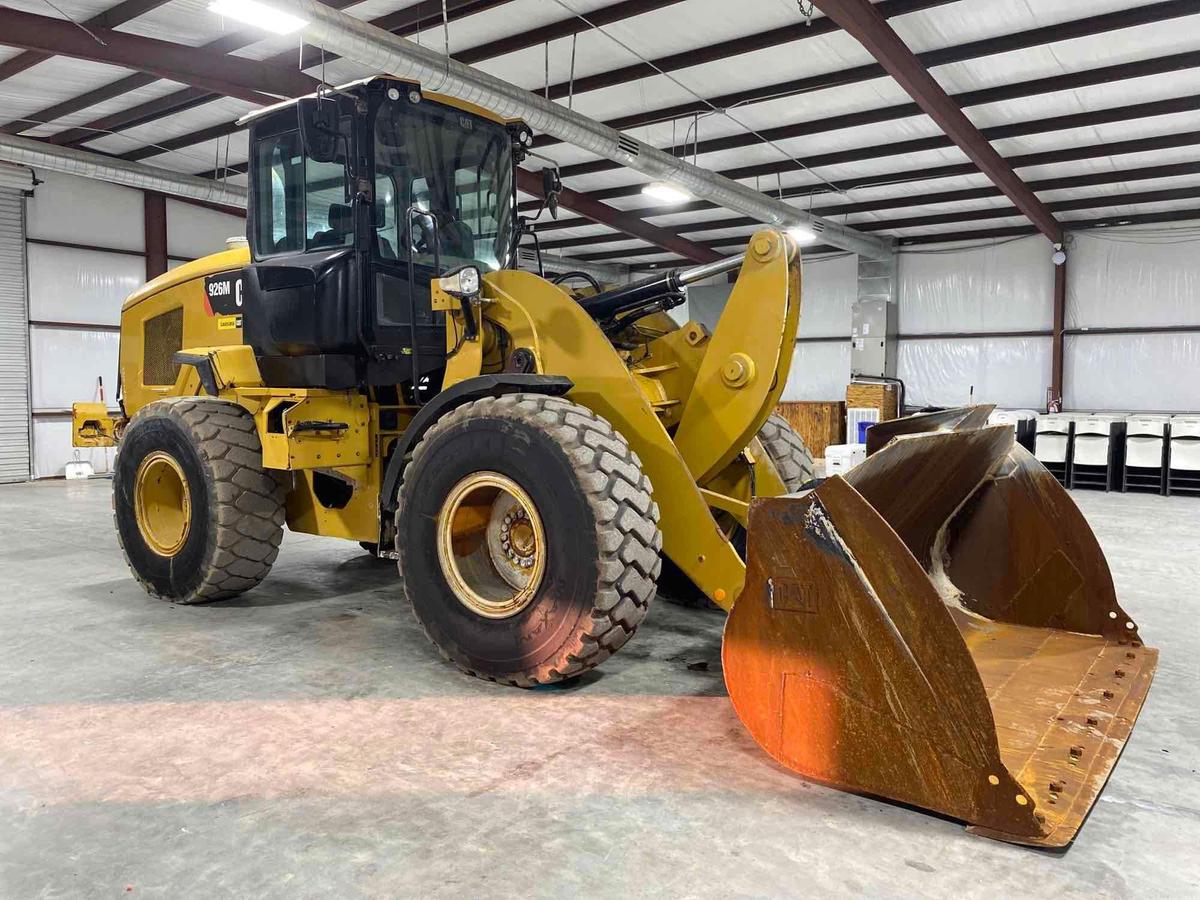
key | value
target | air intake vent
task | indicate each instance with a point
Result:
(816, 226)
(162, 339)
(627, 144)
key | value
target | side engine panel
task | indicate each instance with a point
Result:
(173, 312)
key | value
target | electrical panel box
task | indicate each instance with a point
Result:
(873, 329)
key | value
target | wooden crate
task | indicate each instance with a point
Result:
(819, 423)
(868, 395)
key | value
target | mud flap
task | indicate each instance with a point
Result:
(938, 629)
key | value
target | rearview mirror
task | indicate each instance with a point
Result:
(551, 185)
(319, 128)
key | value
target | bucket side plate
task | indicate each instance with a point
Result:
(845, 665)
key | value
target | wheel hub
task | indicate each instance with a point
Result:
(162, 503)
(491, 545)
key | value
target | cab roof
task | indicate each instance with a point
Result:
(443, 99)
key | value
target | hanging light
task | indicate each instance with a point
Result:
(666, 193)
(801, 235)
(260, 15)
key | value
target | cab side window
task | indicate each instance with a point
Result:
(301, 203)
(329, 220)
(280, 200)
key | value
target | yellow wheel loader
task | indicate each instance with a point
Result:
(939, 627)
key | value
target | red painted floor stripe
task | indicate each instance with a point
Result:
(212, 751)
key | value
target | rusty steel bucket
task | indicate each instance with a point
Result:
(939, 628)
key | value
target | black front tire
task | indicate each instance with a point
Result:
(601, 527)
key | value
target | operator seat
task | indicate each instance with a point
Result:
(341, 224)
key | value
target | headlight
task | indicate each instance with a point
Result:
(463, 283)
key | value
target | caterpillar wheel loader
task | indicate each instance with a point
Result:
(939, 627)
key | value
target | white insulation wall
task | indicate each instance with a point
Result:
(994, 288)
(1139, 278)
(75, 295)
(1125, 278)
(820, 369)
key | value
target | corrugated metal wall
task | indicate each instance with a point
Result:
(85, 252)
(14, 339)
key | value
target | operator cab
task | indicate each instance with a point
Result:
(358, 197)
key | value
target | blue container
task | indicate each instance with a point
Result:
(862, 431)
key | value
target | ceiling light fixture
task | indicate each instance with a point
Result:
(665, 193)
(801, 235)
(259, 15)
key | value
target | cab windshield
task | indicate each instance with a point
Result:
(458, 167)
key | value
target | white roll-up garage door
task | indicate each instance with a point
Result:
(14, 328)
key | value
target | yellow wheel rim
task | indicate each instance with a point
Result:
(162, 503)
(491, 545)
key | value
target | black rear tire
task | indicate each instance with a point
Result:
(600, 527)
(788, 453)
(235, 518)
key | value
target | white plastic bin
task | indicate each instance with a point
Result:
(841, 458)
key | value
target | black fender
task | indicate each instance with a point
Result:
(463, 392)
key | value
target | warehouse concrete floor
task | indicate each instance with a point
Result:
(305, 740)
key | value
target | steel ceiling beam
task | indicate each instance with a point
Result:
(1090, 179)
(190, 97)
(1022, 40)
(110, 18)
(976, 49)
(564, 28)
(405, 22)
(861, 20)
(104, 93)
(246, 79)
(1095, 202)
(722, 50)
(1167, 195)
(1149, 218)
(531, 183)
(932, 173)
(1162, 65)
(919, 145)
(1161, 217)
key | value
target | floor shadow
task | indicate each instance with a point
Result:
(352, 576)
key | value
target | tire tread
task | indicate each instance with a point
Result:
(628, 539)
(246, 501)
